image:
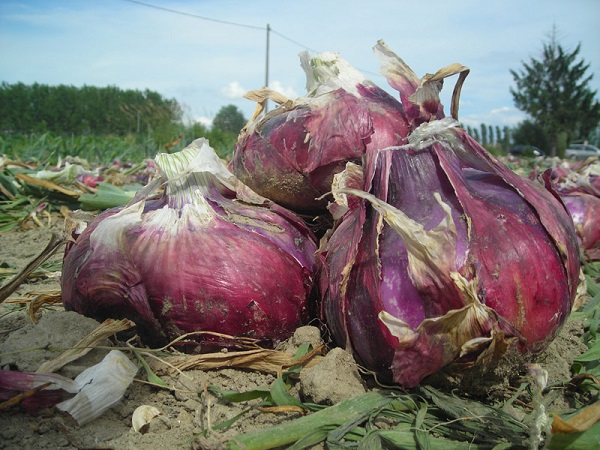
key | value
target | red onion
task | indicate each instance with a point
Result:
(578, 184)
(207, 254)
(585, 211)
(291, 153)
(450, 258)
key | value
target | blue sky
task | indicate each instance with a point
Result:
(206, 64)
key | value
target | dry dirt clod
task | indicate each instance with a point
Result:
(333, 379)
(303, 335)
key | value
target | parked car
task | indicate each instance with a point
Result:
(581, 151)
(526, 150)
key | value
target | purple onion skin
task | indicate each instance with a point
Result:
(537, 251)
(585, 212)
(13, 383)
(253, 278)
(521, 248)
(291, 155)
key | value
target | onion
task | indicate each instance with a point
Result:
(577, 176)
(207, 254)
(578, 184)
(291, 153)
(450, 258)
(585, 212)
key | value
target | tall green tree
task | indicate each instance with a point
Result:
(490, 135)
(554, 91)
(229, 119)
(530, 133)
(506, 137)
(484, 137)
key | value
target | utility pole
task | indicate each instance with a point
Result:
(267, 66)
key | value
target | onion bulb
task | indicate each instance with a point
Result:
(205, 254)
(449, 259)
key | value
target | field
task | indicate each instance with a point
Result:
(304, 392)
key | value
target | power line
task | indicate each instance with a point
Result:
(196, 16)
(268, 28)
(293, 41)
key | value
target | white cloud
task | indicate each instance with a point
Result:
(206, 121)
(233, 90)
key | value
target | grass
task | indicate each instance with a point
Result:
(589, 362)
(47, 149)
(122, 160)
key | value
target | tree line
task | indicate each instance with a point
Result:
(554, 91)
(145, 118)
(488, 135)
(83, 110)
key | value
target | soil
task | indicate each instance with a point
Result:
(188, 408)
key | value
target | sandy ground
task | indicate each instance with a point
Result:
(187, 408)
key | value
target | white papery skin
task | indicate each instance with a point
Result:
(99, 387)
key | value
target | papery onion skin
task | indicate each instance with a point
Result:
(246, 269)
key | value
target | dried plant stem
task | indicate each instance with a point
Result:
(102, 331)
(55, 242)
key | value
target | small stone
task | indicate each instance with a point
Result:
(160, 424)
(183, 418)
(191, 404)
(303, 335)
